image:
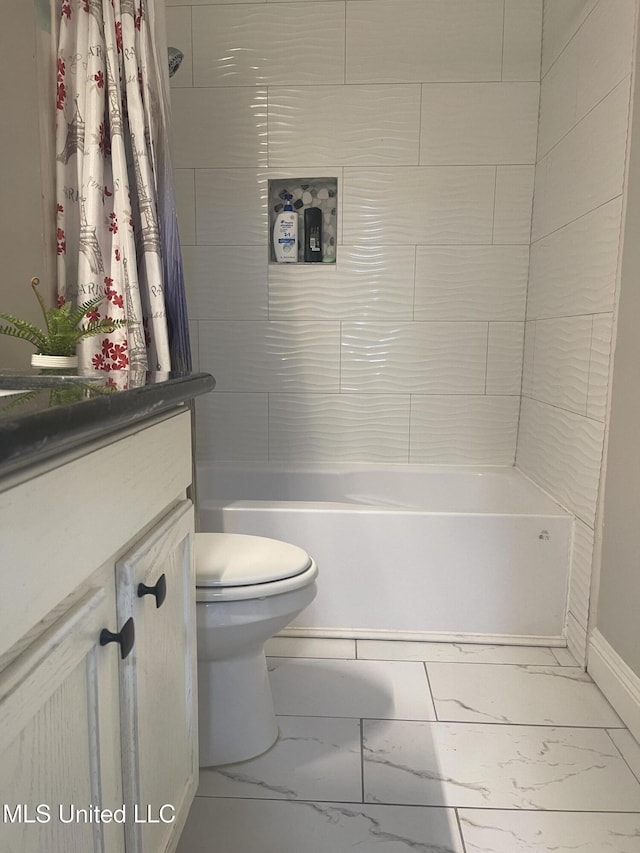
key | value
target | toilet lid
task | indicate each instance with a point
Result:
(235, 559)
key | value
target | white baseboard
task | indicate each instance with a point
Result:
(618, 682)
(425, 637)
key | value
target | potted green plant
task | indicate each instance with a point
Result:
(56, 344)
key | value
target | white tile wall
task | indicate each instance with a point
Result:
(370, 282)
(275, 44)
(583, 135)
(428, 41)
(428, 121)
(420, 358)
(232, 127)
(421, 204)
(561, 362)
(226, 282)
(334, 427)
(471, 282)
(574, 178)
(232, 426)
(573, 270)
(513, 203)
(521, 40)
(504, 358)
(562, 451)
(254, 356)
(178, 21)
(464, 430)
(479, 123)
(325, 125)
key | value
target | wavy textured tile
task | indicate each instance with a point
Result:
(599, 366)
(232, 427)
(573, 271)
(202, 140)
(528, 358)
(458, 430)
(194, 341)
(421, 358)
(333, 124)
(185, 190)
(178, 23)
(513, 203)
(558, 98)
(471, 282)
(580, 575)
(478, 123)
(576, 640)
(504, 358)
(562, 452)
(561, 362)
(231, 208)
(248, 45)
(560, 23)
(429, 41)
(521, 40)
(586, 168)
(606, 51)
(345, 427)
(367, 282)
(254, 356)
(419, 204)
(511, 831)
(224, 282)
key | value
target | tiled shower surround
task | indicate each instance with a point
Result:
(409, 348)
(587, 59)
(432, 116)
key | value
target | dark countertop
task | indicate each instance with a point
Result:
(54, 413)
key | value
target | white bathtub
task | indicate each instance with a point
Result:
(413, 552)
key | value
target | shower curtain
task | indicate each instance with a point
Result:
(116, 227)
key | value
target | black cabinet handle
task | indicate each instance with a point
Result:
(159, 590)
(125, 638)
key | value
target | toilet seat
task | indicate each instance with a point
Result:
(235, 566)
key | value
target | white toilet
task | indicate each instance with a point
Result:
(247, 589)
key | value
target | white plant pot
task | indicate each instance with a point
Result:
(54, 362)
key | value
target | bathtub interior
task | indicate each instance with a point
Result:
(426, 553)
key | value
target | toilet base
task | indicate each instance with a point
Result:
(236, 716)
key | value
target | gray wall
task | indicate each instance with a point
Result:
(26, 144)
(618, 606)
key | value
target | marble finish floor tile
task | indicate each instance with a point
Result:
(628, 747)
(310, 647)
(261, 826)
(350, 688)
(495, 766)
(315, 758)
(454, 652)
(486, 831)
(564, 657)
(535, 695)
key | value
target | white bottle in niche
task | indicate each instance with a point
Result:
(285, 234)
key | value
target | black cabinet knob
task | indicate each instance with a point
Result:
(159, 590)
(125, 638)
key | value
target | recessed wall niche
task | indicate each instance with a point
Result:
(307, 192)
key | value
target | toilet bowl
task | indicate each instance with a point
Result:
(247, 589)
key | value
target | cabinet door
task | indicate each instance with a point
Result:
(60, 736)
(158, 682)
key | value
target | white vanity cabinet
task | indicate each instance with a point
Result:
(83, 545)
(155, 583)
